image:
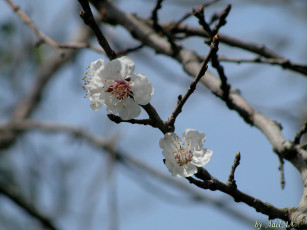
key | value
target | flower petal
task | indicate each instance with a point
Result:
(169, 141)
(195, 138)
(127, 65)
(142, 88)
(129, 109)
(180, 171)
(96, 66)
(112, 71)
(202, 157)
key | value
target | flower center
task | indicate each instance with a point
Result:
(121, 89)
(183, 156)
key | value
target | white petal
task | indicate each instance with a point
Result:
(112, 71)
(195, 138)
(180, 171)
(169, 140)
(112, 104)
(96, 65)
(95, 102)
(129, 109)
(127, 65)
(142, 88)
(202, 157)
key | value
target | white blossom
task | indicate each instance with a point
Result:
(184, 155)
(115, 86)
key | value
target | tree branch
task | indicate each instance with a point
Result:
(299, 135)
(259, 49)
(209, 182)
(89, 20)
(27, 104)
(124, 158)
(191, 63)
(203, 69)
(12, 194)
(23, 16)
(231, 179)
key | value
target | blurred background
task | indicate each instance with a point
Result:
(80, 185)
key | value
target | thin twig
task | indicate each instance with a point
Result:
(225, 87)
(117, 120)
(89, 20)
(209, 182)
(189, 14)
(159, 29)
(11, 193)
(154, 14)
(154, 119)
(180, 104)
(260, 49)
(299, 135)
(273, 61)
(282, 172)
(44, 38)
(231, 179)
(200, 14)
(222, 19)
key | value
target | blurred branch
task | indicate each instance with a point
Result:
(48, 126)
(11, 193)
(221, 19)
(259, 49)
(282, 172)
(124, 158)
(29, 22)
(29, 102)
(299, 135)
(44, 38)
(154, 14)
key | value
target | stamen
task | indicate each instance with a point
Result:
(183, 153)
(121, 90)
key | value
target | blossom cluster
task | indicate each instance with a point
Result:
(116, 86)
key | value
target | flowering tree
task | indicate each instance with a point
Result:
(111, 83)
